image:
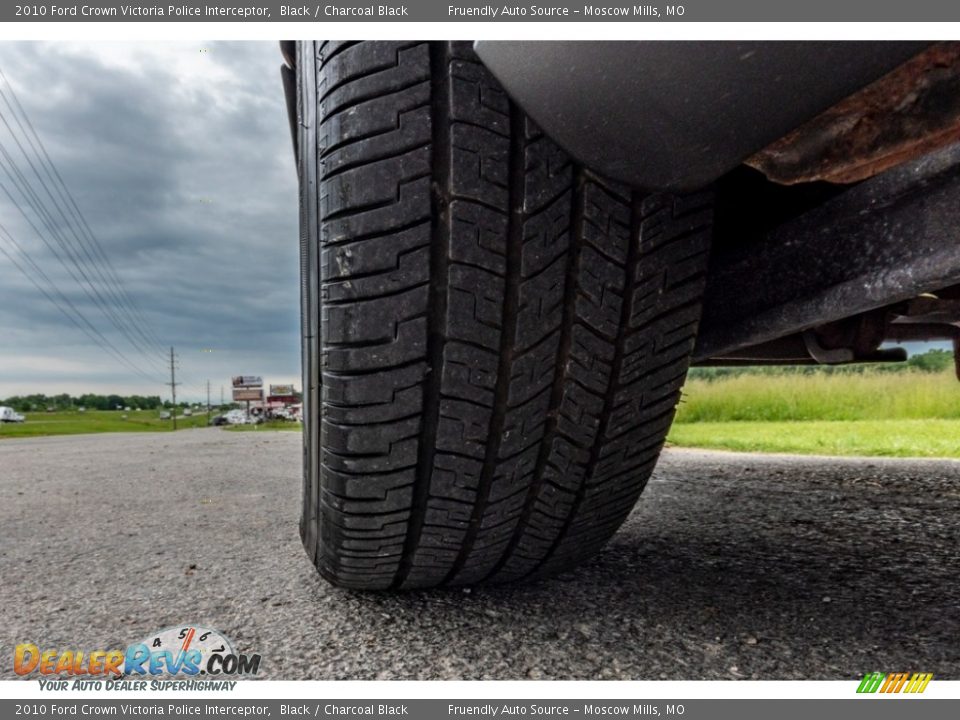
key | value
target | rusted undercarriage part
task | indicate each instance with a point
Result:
(831, 284)
(931, 317)
(857, 339)
(907, 113)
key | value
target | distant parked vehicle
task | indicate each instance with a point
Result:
(164, 415)
(237, 417)
(187, 412)
(9, 415)
(219, 420)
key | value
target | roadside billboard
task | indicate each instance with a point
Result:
(282, 390)
(241, 394)
(242, 381)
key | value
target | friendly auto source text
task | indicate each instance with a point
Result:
(538, 709)
(587, 11)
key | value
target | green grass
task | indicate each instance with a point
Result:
(268, 425)
(883, 438)
(908, 414)
(95, 421)
(836, 396)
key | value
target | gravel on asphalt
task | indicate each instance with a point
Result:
(731, 566)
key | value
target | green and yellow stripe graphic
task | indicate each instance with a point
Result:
(894, 682)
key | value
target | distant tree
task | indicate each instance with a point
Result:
(18, 403)
(143, 402)
(932, 361)
(90, 401)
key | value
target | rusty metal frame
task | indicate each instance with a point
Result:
(887, 240)
(911, 111)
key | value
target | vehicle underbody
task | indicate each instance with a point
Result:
(512, 252)
(832, 241)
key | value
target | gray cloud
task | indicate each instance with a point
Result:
(179, 157)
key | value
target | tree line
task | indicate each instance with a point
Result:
(89, 401)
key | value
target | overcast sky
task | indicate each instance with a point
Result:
(179, 157)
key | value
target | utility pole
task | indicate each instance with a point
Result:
(173, 387)
(221, 397)
(208, 401)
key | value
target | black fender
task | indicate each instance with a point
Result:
(677, 115)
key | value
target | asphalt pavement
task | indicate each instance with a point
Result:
(732, 566)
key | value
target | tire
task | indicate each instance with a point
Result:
(494, 340)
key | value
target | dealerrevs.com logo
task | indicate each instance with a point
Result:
(175, 658)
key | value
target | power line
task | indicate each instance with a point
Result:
(189, 384)
(80, 252)
(47, 243)
(129, 305)
(82, 257)
(90, 330)
(46, 216)
(26, 190)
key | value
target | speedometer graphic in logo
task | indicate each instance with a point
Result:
(184, 650)
(190, 637)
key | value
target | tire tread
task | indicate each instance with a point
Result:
(503, 334)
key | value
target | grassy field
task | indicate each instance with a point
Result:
(909, 414)
(838, 396)
(904, 414)
(95, 421)
(882, 438)
(100, 421)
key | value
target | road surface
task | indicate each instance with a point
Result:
(732, 566)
